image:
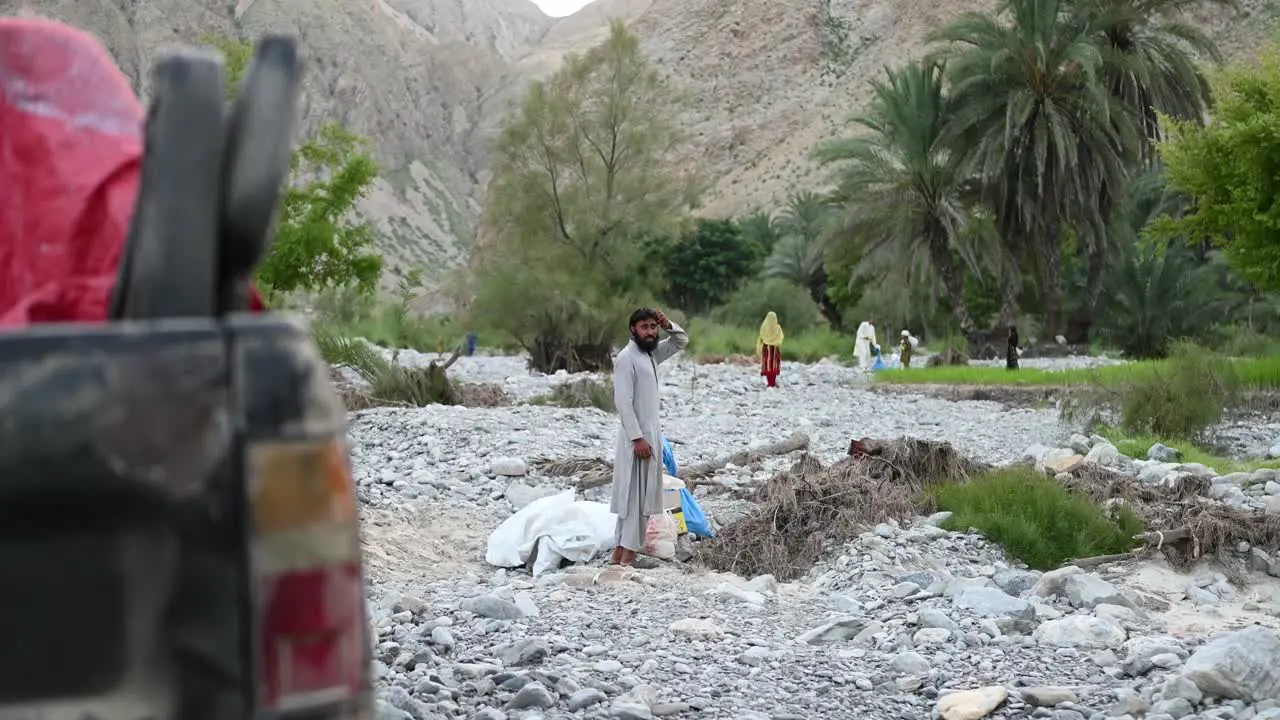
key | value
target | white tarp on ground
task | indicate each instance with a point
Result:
(552, 529)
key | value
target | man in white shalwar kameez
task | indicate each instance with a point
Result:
(637, 465)
(863, 342)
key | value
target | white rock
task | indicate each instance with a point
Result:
(971, 704)
(508, 467)
(1241, 665)
(1080, 631)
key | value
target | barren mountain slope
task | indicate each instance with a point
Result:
(770, 79)
(431, 80)
(410, 74)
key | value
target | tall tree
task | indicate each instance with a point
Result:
(901, 185)
(581, 176)
(761, 229)
(1040, 128)
(800, 254)
(1150, 67)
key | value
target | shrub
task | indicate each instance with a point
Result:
(387, 379)
(1243, 341)
(747, 307)
(1181, 398)
(580, 394)
(1036, 519)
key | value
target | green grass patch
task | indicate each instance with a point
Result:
(1035, 518)
(1137, 447)
(1253, 373)
(708, 338)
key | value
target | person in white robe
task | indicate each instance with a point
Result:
(637, 465)
(863, 343)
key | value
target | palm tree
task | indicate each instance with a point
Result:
(1149, 66)
(900, 184)
(760, 228)
(1159, 295)
(800, 254)
(1042, 131)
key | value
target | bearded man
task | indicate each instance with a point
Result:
(637, 469)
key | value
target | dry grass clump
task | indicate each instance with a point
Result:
(482, 395)
(1215, 530)
(387, 383)
(1181, 521)
(588, 470)
(804, 509)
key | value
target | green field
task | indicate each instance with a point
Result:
(1254, 374)
(707, 339)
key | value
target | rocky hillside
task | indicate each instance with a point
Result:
(430, 80)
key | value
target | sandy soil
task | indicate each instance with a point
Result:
(1162, 590)
(408, 545)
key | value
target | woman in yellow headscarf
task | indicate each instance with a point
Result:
(769, 348)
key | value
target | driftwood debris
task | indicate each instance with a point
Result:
(1158, 539)
(1154, 540)
(1100, 560)
(693, 474)
(798, 441)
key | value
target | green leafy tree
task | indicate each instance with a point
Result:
(1157, 296)
(319, 242)
(1230, 169)
(581, 178)
(707, 264)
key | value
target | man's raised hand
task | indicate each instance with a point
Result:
(663, 322)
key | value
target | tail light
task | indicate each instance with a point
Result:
(308, 590)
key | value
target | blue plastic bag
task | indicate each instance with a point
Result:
(879, 364)
(668, 457)
(694, 518)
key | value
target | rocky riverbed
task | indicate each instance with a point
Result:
(906, 621)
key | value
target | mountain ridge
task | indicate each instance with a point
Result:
(430, 82)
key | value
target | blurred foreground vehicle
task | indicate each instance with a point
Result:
(178, 527)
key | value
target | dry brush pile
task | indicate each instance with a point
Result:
(803, 510)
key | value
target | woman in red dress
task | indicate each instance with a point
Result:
(769, 348)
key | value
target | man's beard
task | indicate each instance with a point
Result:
(645, 344)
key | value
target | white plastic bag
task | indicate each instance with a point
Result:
(660, 537)
(549, 530)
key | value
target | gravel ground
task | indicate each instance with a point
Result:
(898, 624)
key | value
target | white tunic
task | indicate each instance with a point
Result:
(637, 484)
(863, 342)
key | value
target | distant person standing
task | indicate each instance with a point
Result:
(637, 468)
(769, 349)
(1011, 353)
(864, 343)
(906, 348)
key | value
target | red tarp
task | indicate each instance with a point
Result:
(70, 165)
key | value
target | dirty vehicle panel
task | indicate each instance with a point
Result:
(178, 533)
